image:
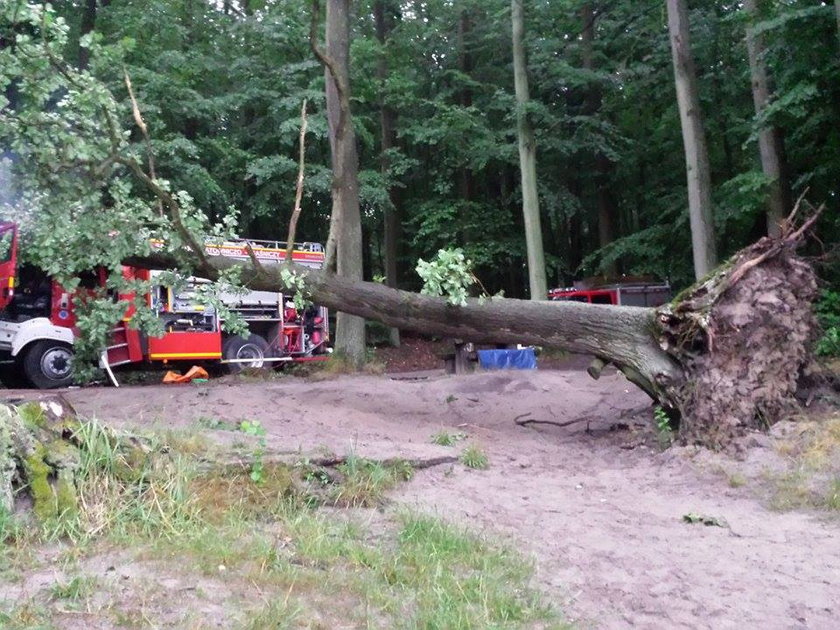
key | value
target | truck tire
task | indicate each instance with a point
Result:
(254, 347)
(48, 364)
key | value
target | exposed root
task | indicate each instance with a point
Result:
(743, 336)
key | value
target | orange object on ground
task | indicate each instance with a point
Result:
(193, 373)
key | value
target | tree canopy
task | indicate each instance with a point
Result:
(220, 86)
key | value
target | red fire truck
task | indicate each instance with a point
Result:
(625, 293)
(38, 323)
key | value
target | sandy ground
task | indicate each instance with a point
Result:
(595, 503)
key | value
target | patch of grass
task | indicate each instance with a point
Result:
(277, 615)
(813, 480)
(187, 442)
(445, 438)
(25, 615)
(77, 588)
(281, 558)
(832, 496)
(10, 527)
(365, 482)
(474, 457)
(217, 494)
(454, 579)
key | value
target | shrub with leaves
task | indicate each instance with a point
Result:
(828, 314)
(449, 275)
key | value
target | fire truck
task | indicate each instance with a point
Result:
(38, 320)
(625, 293)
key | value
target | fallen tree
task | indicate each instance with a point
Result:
(723, 358)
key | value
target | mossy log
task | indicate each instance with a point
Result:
(41, 449)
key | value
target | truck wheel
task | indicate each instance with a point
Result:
(254, 348)
(48, 364)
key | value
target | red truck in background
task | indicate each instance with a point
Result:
(625, 293)
(38, 323)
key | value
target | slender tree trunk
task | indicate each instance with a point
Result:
(527, 159)
(350, 329)
(769, 137)
(383, 19)
(603, 166)
(694, 140)
(837, 13)
(465, 100)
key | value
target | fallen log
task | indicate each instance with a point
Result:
(721, 359)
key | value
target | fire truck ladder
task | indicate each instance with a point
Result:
(117, 352)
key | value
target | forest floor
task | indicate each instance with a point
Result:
(620, 532)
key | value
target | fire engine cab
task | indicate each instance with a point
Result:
(38, 323)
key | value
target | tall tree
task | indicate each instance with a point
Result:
(346, 227)
(383, 13)
(837, 15)
(769, 136)
(603, 166)
(698, 173)
(527, 158)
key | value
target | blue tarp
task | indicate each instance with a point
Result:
(524, 359)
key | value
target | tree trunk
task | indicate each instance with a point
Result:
(603, 166)
(350, 329)
(387, 116)
(694, 141)
(88, 23)
(837, 14)
(465, 100)
(725, 358)
(769, 137)
(527, 159)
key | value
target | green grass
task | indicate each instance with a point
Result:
(445, 438)
(365, 482)
(283, 549)
(813, 479)
(474, 457)
(78, 587)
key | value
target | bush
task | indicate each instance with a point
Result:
(827, 309)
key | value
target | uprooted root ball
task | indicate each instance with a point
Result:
(743, 337)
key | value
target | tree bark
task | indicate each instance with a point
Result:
(769, 136)
(603, 166)
(350, 329)
(527, 159)
(465, 99)
(837, 15)
(694, 140)
(383, 18)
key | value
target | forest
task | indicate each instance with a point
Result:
(220, 85)
(667, 465)
(515, 147)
